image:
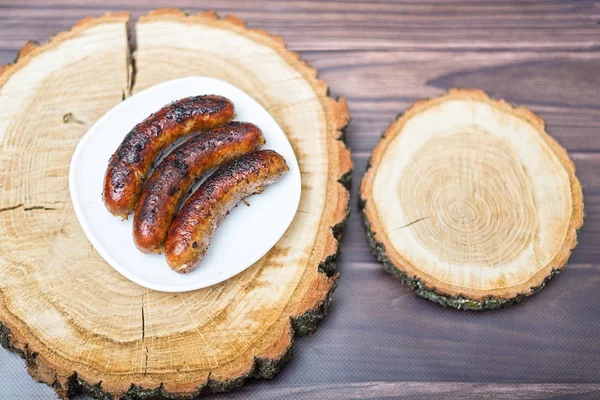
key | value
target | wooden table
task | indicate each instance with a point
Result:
(379, 339)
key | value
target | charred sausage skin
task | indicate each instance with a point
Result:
(190, 234)
(173, 177)
(129, 165)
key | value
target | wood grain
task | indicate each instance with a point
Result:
(361, 25)
(472, 199)
(560, 86)
(412, 390)
(214, 338)
(382, 56)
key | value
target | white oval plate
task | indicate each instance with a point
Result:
(245, 235)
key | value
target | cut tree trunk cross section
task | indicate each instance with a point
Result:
(83, 327)
(470, 202)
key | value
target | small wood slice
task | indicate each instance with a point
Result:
(82, 326)
(470, 202)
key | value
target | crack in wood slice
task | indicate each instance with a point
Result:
(76, 320)
(470, 202)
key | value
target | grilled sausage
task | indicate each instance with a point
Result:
(129, 165)
(173, 177)
(191, 231)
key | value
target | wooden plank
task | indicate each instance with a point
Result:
(7, 56)
(559, 86)
(437, 390)
(315, 25)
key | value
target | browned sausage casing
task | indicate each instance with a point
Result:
(173, 177)
(129, 165)
(194, 226)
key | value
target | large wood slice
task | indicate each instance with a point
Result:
(470, 202)
(81, 325)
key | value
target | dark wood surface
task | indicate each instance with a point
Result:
(379, 340)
